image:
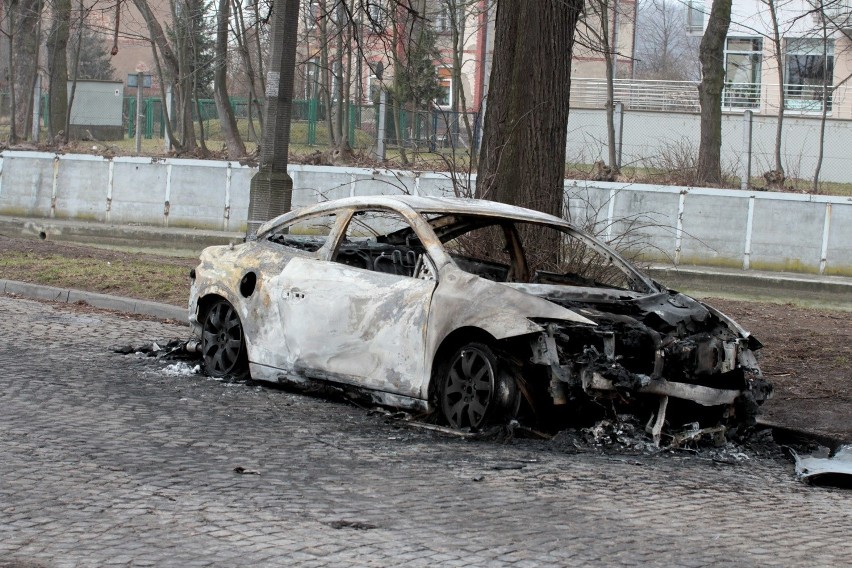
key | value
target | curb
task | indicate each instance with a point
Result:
(783, 433)
(87, 233)
(105, 301)
(835, 290)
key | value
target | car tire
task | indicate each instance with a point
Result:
(473, 389)
(223, 345)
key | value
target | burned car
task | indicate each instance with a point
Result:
(472, 311)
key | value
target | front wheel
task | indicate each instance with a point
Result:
(471, 388)
(223, 345)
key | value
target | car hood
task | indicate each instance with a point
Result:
(663, 310)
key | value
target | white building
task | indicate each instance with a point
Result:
(816, 55)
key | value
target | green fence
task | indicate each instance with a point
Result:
(309, 121)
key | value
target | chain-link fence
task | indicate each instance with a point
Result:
(662, 147)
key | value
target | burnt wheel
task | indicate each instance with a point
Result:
(468, 385)
(222, 344)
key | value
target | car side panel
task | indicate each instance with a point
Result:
(354, 326)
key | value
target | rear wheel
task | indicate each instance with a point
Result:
(223, 345)
(472, 390)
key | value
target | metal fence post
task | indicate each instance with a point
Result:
(140, 80)
(36, 107)
(313, 105)
(167, 142)
(745, 176)
(352, 124)
(380, 134)
(131, 114)
(618, 119)
(149, 118)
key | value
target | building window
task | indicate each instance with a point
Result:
(445, 83)
(441, 19)
(376, 15)
(809, 66)
(312, 14)
(742, 72)
(695, 16)
(374, 89)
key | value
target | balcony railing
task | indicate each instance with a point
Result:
(637, 94)
(682, 96)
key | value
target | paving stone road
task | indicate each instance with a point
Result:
(106, 460)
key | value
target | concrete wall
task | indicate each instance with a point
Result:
(661, 140)
(742, 229)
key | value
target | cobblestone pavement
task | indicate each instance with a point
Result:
(107, 460)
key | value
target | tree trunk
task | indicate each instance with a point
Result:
(337, 72)
(24, 42)
(261, 75)
(326, 72)
(13, 104)
(194, 65)
(396, 107)
(711, 54)
(236, 148)
(167, 116)
(242, 42)
(458, 17)
(825, 92)
(776, 178)
(57, 66)
(75, 70)
(608, 49)
(526, 121)
(176, 70)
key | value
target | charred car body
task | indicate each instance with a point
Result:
(452, 306)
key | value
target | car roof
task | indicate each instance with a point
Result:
(423, 204)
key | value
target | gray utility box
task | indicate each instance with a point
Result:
(97, 110)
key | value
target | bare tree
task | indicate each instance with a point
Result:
(75, 63)
(775, 178)
(233, 140)
(523, 153)
(246, 35)
(663, 48)
(176, 50)
(710, 89)
(465, 20)
(57, 66)
(21, 26)
(598, 34)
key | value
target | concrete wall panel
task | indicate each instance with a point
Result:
(787, 235)
(839, 250)
(138, 192)
(82, 188)
(27, 184)
(239, 198)
(714, 230)
(197, 196)
(440, 184)
(645, 221)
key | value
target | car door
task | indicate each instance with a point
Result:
(363, 322)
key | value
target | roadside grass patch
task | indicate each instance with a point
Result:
(149, 279)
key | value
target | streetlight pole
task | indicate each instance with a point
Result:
(271, 189)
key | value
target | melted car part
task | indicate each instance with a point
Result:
(826, 468)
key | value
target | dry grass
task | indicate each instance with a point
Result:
(141, 276)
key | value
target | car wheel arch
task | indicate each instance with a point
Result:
(503, 352)
(206, 302)
(451, 342)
